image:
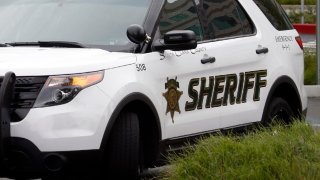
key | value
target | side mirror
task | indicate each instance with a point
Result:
(136, 34)
(177, 40)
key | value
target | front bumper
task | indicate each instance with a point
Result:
(77, 125)
(27, 161)
(21, 158)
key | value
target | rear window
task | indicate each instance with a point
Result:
(276, 15)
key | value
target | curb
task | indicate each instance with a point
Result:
(313, 90)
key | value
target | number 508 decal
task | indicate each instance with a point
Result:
(141, 67)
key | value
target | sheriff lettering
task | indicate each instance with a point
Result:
(225, 89)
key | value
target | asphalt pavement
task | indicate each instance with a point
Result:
(313, 114)
(308, 38)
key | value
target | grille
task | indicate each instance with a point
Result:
(26, 91)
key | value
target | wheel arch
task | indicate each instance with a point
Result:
(285, 88)
(149, 122)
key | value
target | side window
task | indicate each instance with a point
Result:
(226, 19)
(180, 15)
(247, 26)
(276, 15)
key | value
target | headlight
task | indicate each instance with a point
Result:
(62, 89)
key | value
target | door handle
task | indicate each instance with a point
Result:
(263, 50)
(208, 60)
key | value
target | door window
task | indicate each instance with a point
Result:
(180, 15)
(226, 19)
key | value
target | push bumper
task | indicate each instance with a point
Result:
(6, 90)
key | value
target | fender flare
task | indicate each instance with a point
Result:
(125, 101)
(281, 80)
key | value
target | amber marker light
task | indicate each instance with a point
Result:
(86, 80)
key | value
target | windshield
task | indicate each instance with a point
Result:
(89, 22)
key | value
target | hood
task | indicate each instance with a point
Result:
(34, 61)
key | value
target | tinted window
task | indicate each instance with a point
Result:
(274, 12)
(226, 18)
(247, 26)
(180, 15)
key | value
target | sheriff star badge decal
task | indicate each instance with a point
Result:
(172, 96)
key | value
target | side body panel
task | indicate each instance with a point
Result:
(184, 71)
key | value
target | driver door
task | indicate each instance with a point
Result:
(182, 80)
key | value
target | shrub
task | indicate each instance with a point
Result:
(297, 2)
(309, 16)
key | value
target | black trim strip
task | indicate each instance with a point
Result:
(177, 144)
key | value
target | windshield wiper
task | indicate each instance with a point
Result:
(4, 45)
(65, 44)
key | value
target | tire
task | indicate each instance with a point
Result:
(123, 152)
(278, 111)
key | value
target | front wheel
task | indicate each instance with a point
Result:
(278, 109)
(123, 152)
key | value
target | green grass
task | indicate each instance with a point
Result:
(310, 69)
(280, 153)
(297, 2)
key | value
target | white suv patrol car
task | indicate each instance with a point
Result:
(111, 85)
